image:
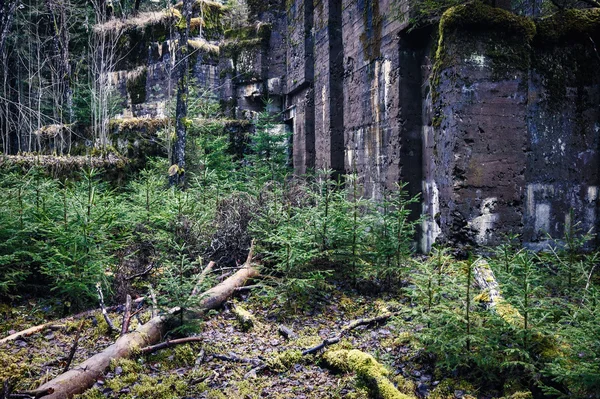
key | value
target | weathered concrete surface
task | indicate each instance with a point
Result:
(513, 146)
(480, 144)
(372, 109)
(498, 131)
(562, 172)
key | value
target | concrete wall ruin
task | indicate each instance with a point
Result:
(492, 118)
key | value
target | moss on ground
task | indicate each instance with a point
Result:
(373, 373)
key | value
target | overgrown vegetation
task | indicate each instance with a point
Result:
(65, 236)
(310, 231)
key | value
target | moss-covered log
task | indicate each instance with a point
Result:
(367, 368)
(492, 296)
(245, 319)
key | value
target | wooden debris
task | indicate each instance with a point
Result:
(202, 277)
(154, 312)
(168, 344)
(367, 368)
(73, 348)
(492, 296)
(245, 319)
(141, 274)
(126, 316)
(32, 330)
(351, 326)
(38, 393)
(83, 376)
(111, 326)
(286, 332)
(53, 324)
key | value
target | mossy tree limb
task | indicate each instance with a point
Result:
(351, 326)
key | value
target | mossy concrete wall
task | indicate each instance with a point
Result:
(373, 114)
(514, 130)
(493, 119)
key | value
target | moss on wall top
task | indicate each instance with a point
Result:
(476, 15)
(259, 30)
(569, 25)
(204, 46)
(425, 12)
(137, 125)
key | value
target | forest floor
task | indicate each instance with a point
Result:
(221, 364)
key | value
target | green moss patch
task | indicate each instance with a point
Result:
(479, 16)
(260, 30)
(569, 25)
(373, 373)
(138, 125)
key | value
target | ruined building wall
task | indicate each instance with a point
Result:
(515, 129)
(468, 116)
(491, 118)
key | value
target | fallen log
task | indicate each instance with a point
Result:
(544, 344)
(80, 378)
(245, 319)
(367, 368)
(492, 296)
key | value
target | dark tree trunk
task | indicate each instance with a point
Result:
(182, 61)
(60, 41)
(7, 12)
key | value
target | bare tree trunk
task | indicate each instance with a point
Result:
(7, 13)
(103, 54)
(177, 172)
(63, 95)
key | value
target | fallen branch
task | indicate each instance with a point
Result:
(38, 393)
(168, 344)
(202, 277)
(73, 348)
(52, 325)
(126, 316)
(32, 330)
(154, 303)
(82, 377)
(351, 326)
(111, 326)
(236, 359)
(142, 274)
(247, 287)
